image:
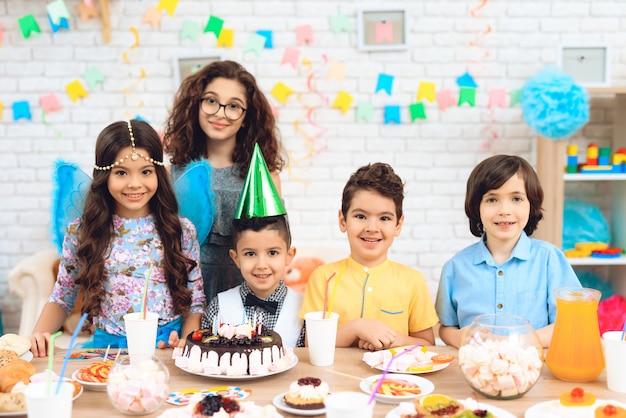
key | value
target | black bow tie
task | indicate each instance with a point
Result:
(252, 300)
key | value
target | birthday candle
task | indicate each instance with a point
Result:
(215, 325)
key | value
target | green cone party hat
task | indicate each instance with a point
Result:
(259, 197)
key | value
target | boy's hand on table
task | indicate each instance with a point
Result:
(375, 335)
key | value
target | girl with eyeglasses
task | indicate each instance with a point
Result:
(219, 113)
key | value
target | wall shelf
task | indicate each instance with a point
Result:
(597, 261)
(595, 177)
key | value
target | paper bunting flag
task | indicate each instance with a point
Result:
(255, 44)
(444, 99)
(426, 90)
(141, 118)
(87, 11)
(385, 82)
(21, 110)
(28, 25)
(304, 35)
(75, 90)
(467, 95)
(93, 77)
(364, 111)
(417, 111)
(516, 97)
(267, 34)
(226, 38)
(168, 5)
(466, 80)
(214, 25)
(343, 101)
(57, 10)
(190, 30)
(281, 91)
(497, 97)
(290, 56)
(339, 23)
(49, 103)
(152, 16)
(392, 114)
(63, 24)
(384, 32)
(336, 71)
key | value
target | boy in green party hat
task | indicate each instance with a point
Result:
(262, 250)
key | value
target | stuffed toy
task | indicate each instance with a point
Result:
(299, 270)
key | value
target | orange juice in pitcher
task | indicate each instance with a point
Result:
(575, 352)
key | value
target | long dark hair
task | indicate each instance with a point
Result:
(184, 139)
(95, 232)
(491, 174)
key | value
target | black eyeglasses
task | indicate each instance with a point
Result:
(232, 111)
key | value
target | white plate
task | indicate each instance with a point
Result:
(468, 403)
(242, 377)
(551, 409)
(425, 385)
(97, 387)
(28, 356)
(279, 403)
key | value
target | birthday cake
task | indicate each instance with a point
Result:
(233, 351)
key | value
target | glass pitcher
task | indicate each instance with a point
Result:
(575, 353)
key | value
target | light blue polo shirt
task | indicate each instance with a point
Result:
(472, 283)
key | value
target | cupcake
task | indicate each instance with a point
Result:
(307, 393)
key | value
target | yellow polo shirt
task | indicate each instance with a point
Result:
(390, 292)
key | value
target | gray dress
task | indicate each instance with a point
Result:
(219, 272)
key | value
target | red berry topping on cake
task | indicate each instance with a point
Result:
(210, 405)
(197, 336)
(312, 381)
(577, 397)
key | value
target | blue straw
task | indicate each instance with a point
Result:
(624, 330)
(69, 351)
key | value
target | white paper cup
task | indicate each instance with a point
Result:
(141, 335)
(41, 405)
(614, 355)
(321, 336)
(349, 405)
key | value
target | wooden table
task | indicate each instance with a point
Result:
(347, 361)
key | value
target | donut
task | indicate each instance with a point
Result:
(12, 402)
(14, 342)
(7, 356)
(17, 371)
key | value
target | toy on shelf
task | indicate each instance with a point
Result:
(593, 249)
(599, 160)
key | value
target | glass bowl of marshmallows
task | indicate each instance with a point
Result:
(138, 387)
(501, 356)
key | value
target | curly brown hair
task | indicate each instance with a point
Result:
(95, 231)
(377, 177)
(491, 174)
(184, 139)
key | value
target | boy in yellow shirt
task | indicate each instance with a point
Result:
(381, 304)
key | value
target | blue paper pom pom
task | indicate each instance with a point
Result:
(553, 104)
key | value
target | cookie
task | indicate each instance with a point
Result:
(7, 356)
(18, 343)
(12, 402)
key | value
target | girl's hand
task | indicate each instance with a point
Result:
(39, 344)
(173, 341)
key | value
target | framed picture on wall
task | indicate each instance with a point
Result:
(589, 65)
(382, 29)
(186, 65)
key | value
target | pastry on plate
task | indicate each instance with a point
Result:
(307, 393)
(18, 343)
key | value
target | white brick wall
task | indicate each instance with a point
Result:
(434, 156)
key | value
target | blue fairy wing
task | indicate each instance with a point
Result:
(71, 185)
(195, 198)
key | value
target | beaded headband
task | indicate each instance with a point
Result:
(134, 155)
